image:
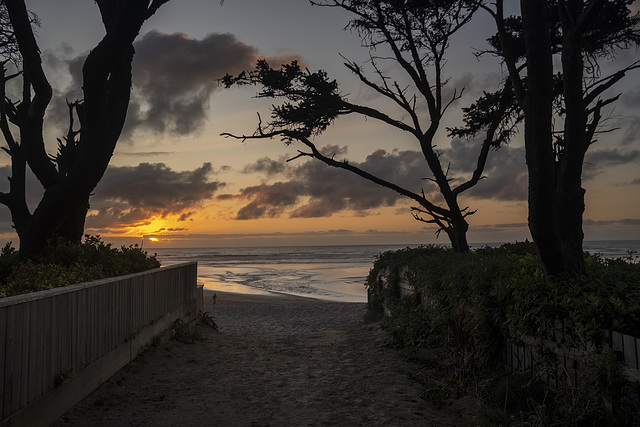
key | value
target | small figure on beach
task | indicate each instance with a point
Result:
(215, 296)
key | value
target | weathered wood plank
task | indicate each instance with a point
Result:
(12, 369)
(46, 379)
(122, 313)
(146, 296)
(24, 377)
(123, 306)
(629, 351)
(66, 329)
(73, 332)
(3, 351)
(100, 330)
(616, 341)
(135, 302)
(107, 318)
(54, 347)
(113, 317)
(35, 340)
(93, 323)
(82, 331)
(40, 361)
(606, 338)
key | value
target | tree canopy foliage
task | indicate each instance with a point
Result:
(418, 34)
(95, 122)
(563, 108)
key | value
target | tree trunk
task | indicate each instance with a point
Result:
(72, 227)
(457, 234)
(57, 215)
(106, 88)
(538, 135)
(569, 191)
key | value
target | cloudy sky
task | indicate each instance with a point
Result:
(175, 179)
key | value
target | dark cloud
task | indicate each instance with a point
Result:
(66, 67)
(338, 189)
(331, 190)
(613, 157)
(630, 98)
(265, 166)
(133, 195)
(505, 170)
(471, 86)
(314, 189)
(268, 201)
(631, 132)
(174, 77)
(320, 208)
(170, 229)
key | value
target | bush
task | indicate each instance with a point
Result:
(63, 264)
(469, 304)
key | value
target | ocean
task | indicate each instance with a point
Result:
(334, 273)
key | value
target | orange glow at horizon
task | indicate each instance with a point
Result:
(214, 219)
(156, 226)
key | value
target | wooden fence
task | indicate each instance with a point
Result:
(563, 369)
(526, 357)
(57, 346)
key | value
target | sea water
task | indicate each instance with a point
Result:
(326, 272)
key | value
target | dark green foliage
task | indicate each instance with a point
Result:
(312, 103)
(184, 332)
(64, 375)
(206, 319)
(604, 397)
(64, 263)
(505, 289)
(612, 25)
(499, 109)
(470, 303)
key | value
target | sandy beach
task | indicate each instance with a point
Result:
(277, 360)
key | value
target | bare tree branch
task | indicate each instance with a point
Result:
(315, 153)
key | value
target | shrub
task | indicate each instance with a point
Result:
(469, 304)
(63, 264)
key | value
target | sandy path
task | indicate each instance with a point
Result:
(277, 361)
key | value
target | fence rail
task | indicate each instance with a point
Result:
(567, 358)
(56, 346)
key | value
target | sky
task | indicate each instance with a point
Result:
(175, 182)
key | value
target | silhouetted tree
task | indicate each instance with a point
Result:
(418, 34)
(563, 108)
(69, 177)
